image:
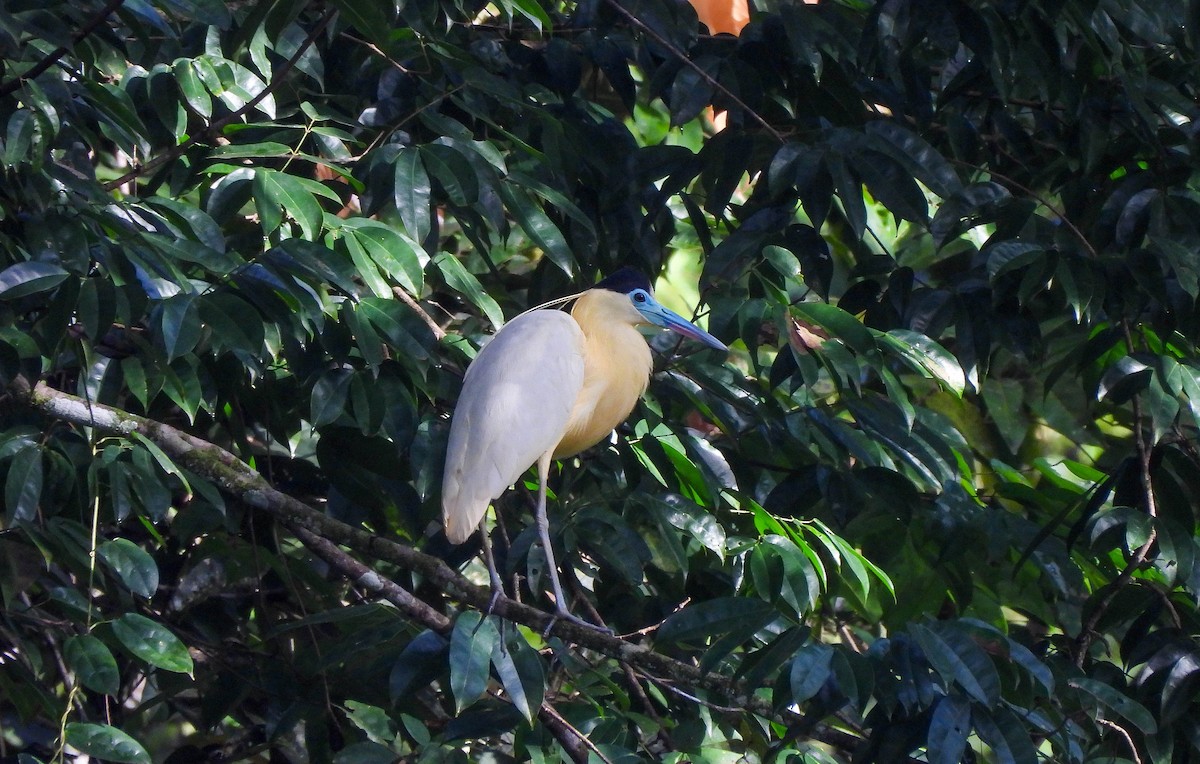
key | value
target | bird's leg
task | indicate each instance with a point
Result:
(543, 526)
(493, 574)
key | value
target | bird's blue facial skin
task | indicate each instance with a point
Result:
(660, 315)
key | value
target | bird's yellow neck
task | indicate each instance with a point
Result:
(617, 364)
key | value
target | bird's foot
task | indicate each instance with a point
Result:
(497, 593)
(563, 615)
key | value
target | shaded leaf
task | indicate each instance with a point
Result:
(92, 663)
(153, 643)
(23, 279)
(1117, 701)
(711, 618)
(106, 742)
(23, 486)
(135, 567)
(471, 645)
(811, 668)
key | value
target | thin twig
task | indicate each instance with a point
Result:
(670, 686)
(216, 126)
(635, 685)
(407, 299)
(561, 728)
(1124, 733)
(55, 55)
(1074, 229)
(1087, 633)
(683, 58)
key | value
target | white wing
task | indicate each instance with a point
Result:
(515, 403)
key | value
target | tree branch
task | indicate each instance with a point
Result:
(367, 578)
(324, 534)
(55, 55)
(438, 332)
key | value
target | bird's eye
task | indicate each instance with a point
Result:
(639, 296)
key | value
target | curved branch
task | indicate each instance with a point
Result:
(55, 55)
(324, 535)
(238, 479)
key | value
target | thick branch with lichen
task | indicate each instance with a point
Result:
(324, 536)
(238, 479)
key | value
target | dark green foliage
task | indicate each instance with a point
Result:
(938, 504)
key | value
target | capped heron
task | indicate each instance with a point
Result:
(548, 385)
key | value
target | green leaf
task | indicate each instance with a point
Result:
(966, 208)
(24, 279)
(530, 9)
(105, 742)
(212, 13)
(840, 325)
(372, 720)
(1006, 736)
(93, 664)
(275, 191)
(165, 463)
(1127, 377)
(132, 564)
(367, 17)
(419, 663)
(520, 670)
(259, 150)
(811, 668)
(693, 89)
(786, 568)
(471, 645)
(412, 193)
(329, 396)
(384, 316)
(153, 643)
(395, 253)
(366, 752)
(23, 486)
(539, 227)
(1008, 256)
(927, 357)
(366, 270)
(919, 158)
(703, 620)
(180, 325)
(948, 730)
(959, 660)
(463, 281)
(192, 88)
(453, 173)
(1117, 701)
(119, 492)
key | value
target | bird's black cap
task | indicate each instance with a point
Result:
(624, 281)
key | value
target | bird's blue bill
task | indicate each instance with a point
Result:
(660, 315)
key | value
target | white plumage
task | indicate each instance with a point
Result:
(515, 404)
(549, 385)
